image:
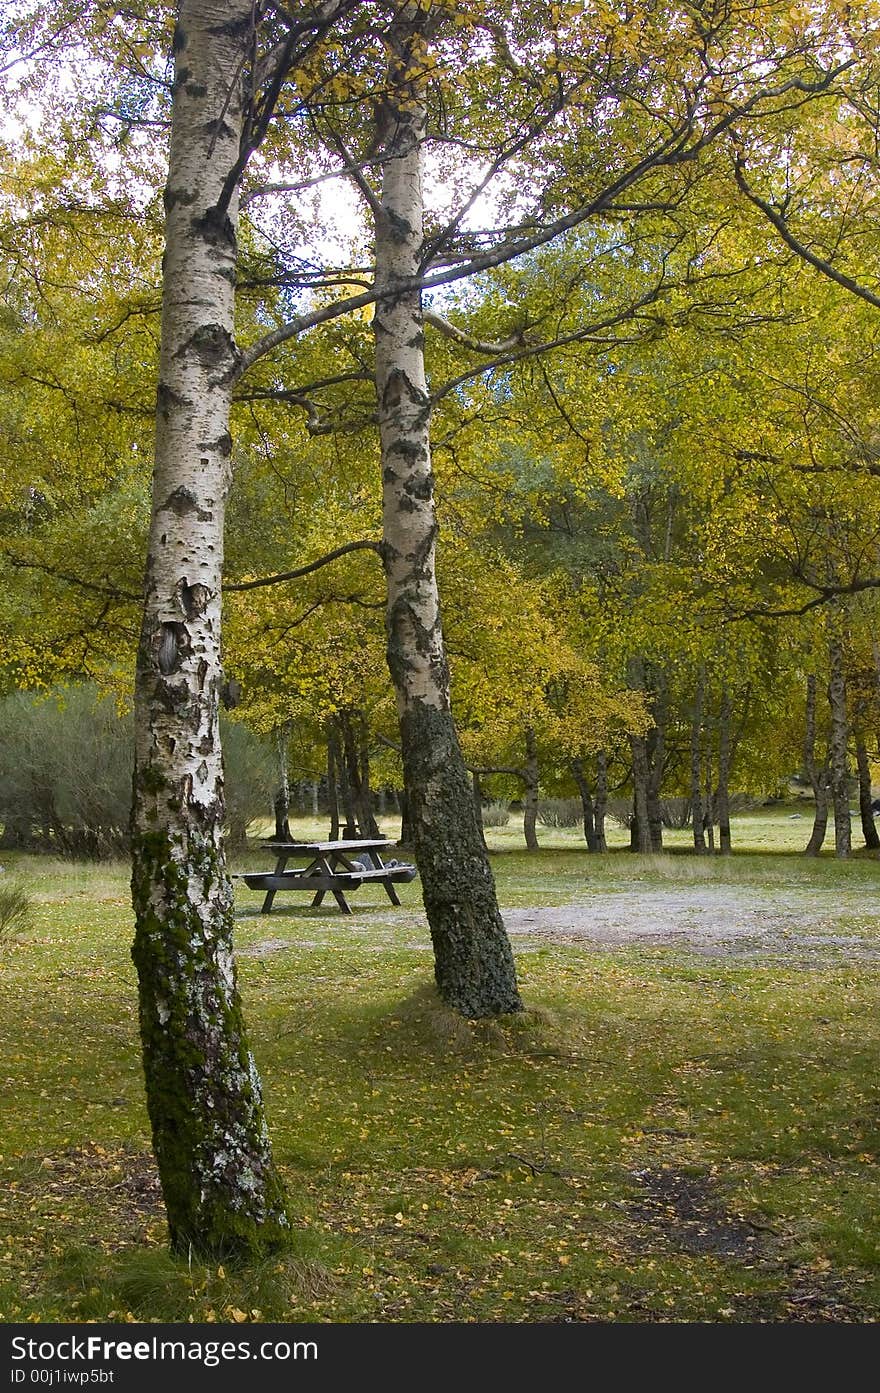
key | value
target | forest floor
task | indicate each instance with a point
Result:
(683, 1125)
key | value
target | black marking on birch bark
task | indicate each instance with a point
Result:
(202, 673)
(173, 696)
(178, 44)
(178, 198)
(194, 598)
(221, 446)
(212, 344)
(400, 228)
(412, 451)
(183, 501)
(217, 130)
(195, 89)
(166, 398)
(231, 28)
(420, 486)
(422, 553)
(399, 388)
(417, 340)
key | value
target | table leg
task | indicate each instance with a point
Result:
(389, 888)
(270, 894)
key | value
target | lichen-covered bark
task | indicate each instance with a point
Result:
(221, 1192)
(473, 960)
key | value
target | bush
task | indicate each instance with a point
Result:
(620, 810)
(496, 814)
(14, 908)
(560, 812)
(66, 766)
(676, 813)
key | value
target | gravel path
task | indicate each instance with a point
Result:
(804, 926)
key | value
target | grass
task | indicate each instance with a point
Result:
(661, 1137)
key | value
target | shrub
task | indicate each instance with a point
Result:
(560, 812)
(496, 814)
(66, 771)
(620, 811)
(14, 908)
(676, 813)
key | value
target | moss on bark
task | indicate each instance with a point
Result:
(222, 1195)
(473, 961)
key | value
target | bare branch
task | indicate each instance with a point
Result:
(304, 570)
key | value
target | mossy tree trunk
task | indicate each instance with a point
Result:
(474, 965)
(222, 1195)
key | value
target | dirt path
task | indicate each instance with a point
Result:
(801, 926)
(715, 921)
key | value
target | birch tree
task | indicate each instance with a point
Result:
(473, 959)
(220, 1187)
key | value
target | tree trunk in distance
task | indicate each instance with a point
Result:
(838, 747)
(530, 801)
(655, 750)
(473, 961)
(282, 795)
(332, 785)
(477, 787)
(866, 813)
(722, 801)
(818, 777)
(587, 808)
(601, 799)
(709, 804)
(640, 832)
(640, 835)
(221, 1191)
(696, 765)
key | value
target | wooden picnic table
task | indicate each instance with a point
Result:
(334, 866)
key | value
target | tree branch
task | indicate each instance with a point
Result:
(279, 579)
(812, 258)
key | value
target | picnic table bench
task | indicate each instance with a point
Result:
(334, 867)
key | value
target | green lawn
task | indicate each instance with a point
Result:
(664, 1136)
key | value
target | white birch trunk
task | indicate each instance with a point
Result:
(203, 1091)
(473, 959)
